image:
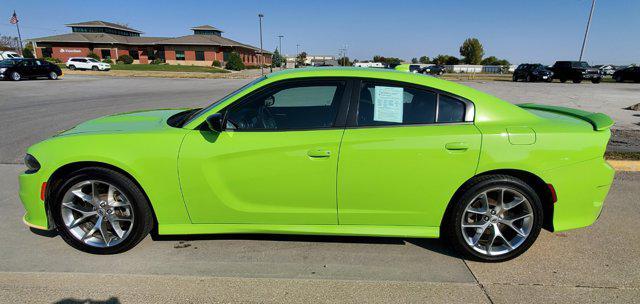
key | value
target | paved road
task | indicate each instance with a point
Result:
(596, 264)
(31, 111)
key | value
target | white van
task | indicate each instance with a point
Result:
(8, 55)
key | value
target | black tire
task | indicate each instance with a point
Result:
(53, 75)
(549, 79)
(596, 80)
(94, 68)
(142, 215)
(452, 231)
(528, 79)
(618, 78)
(514, 78)
(72, 67)
(563, 80)
(15, 76)
(577, 80)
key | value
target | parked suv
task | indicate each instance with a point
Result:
(532, 72)
(433, 70)
(631, 73)
(86, 63)
(575, 71)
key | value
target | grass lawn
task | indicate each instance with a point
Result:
(166, 68)
(162, 68)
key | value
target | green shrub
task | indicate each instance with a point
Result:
(93, 55)
(157, 61)
(27, 53)
(217, 64)
(109, 61)
(234, 63)
(52, 60)
(126, 59)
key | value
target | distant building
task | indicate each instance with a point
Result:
(109, 41)
(311, 58)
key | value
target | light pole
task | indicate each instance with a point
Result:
(260, 16)
(280, 48)
(295, 62)
(586, 32)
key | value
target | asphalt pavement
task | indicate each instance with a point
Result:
(31, 111)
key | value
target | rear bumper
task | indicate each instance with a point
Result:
(581, 190)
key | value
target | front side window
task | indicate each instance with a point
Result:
(179, 55)
(307, 105)
(384, 104)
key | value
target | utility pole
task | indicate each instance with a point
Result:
(280, 50)
(295, 62)
(261, 51)
(586, 32)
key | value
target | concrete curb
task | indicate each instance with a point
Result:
(625, 165)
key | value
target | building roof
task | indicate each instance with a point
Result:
(211, 40)
(99, 23)
(205, 28)
(100, 38)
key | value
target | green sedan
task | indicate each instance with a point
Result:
(335, 151)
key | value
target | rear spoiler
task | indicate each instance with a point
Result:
(599, 121)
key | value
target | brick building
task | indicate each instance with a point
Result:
(109, 41)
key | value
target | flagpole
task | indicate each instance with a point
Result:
(19, 37)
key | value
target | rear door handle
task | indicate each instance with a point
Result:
(457, 146)
(319, 153)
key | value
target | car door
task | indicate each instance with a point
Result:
(41, 68)
(405, 151)
(27, 68)
(276, 161)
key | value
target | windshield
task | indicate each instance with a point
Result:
(234, 93)
(7, 63)
(581, 64)
(92, 60)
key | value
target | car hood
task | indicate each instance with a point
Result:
(139, 121)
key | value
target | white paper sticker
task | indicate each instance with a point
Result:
(388, 104)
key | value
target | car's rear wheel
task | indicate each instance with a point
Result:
(53, 75)
(619, 78)
(72, 67)
(528, 79)
(497, 218)
(595, 80)
(577, 80)
(15, 76)
(101, 211)
(514, 78)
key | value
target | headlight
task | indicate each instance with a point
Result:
(32, 163)
(2, 70)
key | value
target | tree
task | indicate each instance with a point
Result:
(344, 61)
(234, 62)
(424, 60)
(414, 60)
(93, 55)
(302, 57)
(492, 60)
(276, 59)
(452, 60)
(387, 60)
(9, 43)
(444, 59)
(471, 50)
(27, 52)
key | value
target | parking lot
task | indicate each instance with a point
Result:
(594, 264)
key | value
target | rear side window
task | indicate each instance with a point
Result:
(382, 104)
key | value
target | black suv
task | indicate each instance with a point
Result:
(631, 73)
(576, 71)
(23, 68)
(532, 72)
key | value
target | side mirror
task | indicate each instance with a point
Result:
(214, 121)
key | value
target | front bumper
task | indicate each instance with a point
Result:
(581, 190)
(35, 209)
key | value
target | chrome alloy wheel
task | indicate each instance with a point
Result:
(97, 213)
(497, 221)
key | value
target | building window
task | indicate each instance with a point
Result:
(105, 54)
(47, 52)
(199, 55)
(134, 54)
(179, 55)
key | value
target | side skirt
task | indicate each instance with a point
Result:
(350, 230)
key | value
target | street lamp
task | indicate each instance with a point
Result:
(280, 48)
(586, 32)
(260, 16)
(295, 62)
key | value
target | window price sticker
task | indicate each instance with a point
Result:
(388, 104)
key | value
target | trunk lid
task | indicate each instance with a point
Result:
(599, 121)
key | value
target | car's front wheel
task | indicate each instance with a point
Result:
(94, 68)
(497, 218)
(15, 76)
(53, 75)
(101, 211)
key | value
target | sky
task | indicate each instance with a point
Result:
(520, 31)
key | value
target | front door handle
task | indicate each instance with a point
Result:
(457, 146)
(318, 153)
